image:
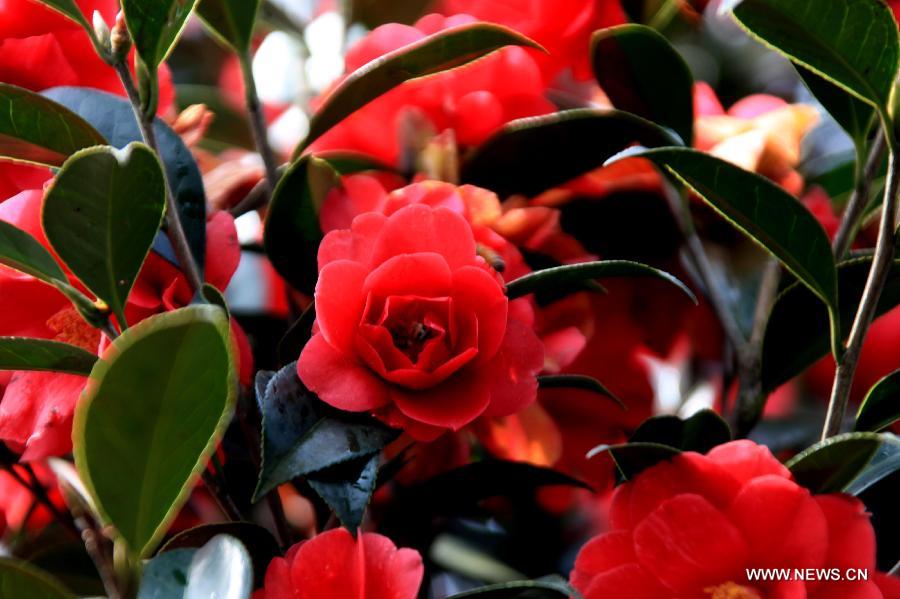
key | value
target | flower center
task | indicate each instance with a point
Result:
(410, 337)
(731, 590)
(71, 328)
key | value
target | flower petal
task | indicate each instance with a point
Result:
(338, 379)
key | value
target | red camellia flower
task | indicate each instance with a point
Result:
(334, 565)
(474, 100)
(415, 327)
(691, 527)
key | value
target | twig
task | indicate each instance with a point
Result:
(859, 200)
(881, 263)
(258, 120)
(257, 198)
(174, 228)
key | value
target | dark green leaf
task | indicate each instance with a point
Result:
(881, 407)
(258, 541)
(854, 115)
(766, 213)
(642, 73)
(155, 25)
(230, 20)
(831, 465)
(701, 432)
(531, 155)
(101, 215)
(18, 579)
(152, 413)
(551, 586)
(292, 233)
(21, 251)
(213, 296)
(439, 52)
(347, 489)
(885, 462)
(349, 163)
(577, 381)
(797, 330)
(23, 353)
(165, 576)
(221, 568)
(850, 42)
(36, 130)
(571, 273)
(634, 458)
(113, 117)
(301, 435)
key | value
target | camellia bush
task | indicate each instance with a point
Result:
(307, 299)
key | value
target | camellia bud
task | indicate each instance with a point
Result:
(101, 30)
(120, 39)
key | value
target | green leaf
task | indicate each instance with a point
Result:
(114, 118)
(155, 26)
(292, 232)
(550, 586)
(633, 458)
(770, 216)
(230, 20)
(831, 465)
(577, 381)
(534, 154)
(350, 163)
(36, 130)
(19, 579)
(850, 42)
(152, 413)
(22, 252)
(642, 73)
(23, 353)
(884, 463)
(347, 489)
(881, 407)
(101, 215)
(571, 273)
(221, 568)
(852, 114)
(439, 52)
(301, 435)
(797, 331)
(701, 432)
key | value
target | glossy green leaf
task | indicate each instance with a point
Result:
(797, 329)
(770, 216)
(20, 580)
(113, 117)
(22, 252)
(153, 411)
(577, 381)
(155, 26)
(642, 73)
(550, 586)
(350, 163)
(885, 463)
(534, 154)
(850, 42)
(231, 21)
(852, 114)
(301, 435)
(23, 353)
(831, 465)
(292, 232)
(221, 568)
(633, 458)
(439, 52)
(101, 215)
(572, 273)
(37, 130)
(881, 407)
(700, 432)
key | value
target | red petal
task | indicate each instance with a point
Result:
(746, 460)
(418, 228)
(339, 302)
(453, 404)
(338, 379)
(223, 252)
(355, 243)
(476, 292)
(390, 573)
(513, 371)
(424, 274)
(630, 581)
(851, 538)
(600, 554)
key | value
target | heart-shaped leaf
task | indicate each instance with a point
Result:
(155, 407)
(221, 569)
(231, 21)
(633, 458)
(101, 215)
(796, 332)
(37, 130)
(850, 42)
(155, 26)
(701, 432)
(23, 353)
(439, 52)
(292, 233)
(831, 465)
(113, 117)
(534, 154)
(19, 579)
(572, 273)
(302, 436)
(766, 213)
(642, 73)
(881, 407)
